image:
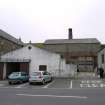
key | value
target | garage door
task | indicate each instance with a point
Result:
(1, 71)
(24, 67)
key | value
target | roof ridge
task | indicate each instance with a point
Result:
(60, 41)
(10, 37)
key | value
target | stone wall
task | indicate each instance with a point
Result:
(7, 45)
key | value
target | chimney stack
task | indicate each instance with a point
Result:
(70, 33)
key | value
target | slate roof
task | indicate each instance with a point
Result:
(65, 41)
(9, 37)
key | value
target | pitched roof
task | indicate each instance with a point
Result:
(9, 37)
(65, 41)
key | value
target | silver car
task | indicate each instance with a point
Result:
(40, 77)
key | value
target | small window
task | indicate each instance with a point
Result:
(102, 57)
(42, 67)
(29, 47)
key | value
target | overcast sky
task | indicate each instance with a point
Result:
(38, 20)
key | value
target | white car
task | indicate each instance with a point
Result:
(40, 77)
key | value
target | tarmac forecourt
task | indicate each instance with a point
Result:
(61, 84)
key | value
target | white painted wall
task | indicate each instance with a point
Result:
(100, 64)
(4, 71)
(38, 56)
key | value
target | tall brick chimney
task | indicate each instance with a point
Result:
(70, 33)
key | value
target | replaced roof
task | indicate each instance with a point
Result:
(62, 41)
(9, 37)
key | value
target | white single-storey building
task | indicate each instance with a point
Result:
(101, 59)
(31, 58)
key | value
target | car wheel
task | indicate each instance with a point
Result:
(30, 83)
(51, 79)
(20, 82)
(10, 83)
(43, 82)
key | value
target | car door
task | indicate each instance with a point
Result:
(46, 76)
(24, 76)
(49, 76)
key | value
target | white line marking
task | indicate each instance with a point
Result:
(46, 86)
(1, 84)
(22, 85)
(54, 96)
(71, 85)
(4, 87)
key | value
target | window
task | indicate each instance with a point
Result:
(42, 67)
(102, 57)
(29, 47)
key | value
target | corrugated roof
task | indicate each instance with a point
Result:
(62, 41)
(9, 37)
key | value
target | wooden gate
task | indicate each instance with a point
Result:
(24, 67)
(1, 71)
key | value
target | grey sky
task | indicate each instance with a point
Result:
(38, 20)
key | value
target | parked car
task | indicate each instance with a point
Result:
(18, 77)
(40, 77)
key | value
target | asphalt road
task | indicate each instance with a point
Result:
(58, 92)
(12, 96)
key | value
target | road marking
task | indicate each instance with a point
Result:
(53, 96)
(46, 86)
(102, 85)
(22, 85)
(91, 81)
(4, 87)
(92, 84)
(71, 85)
(1, 84)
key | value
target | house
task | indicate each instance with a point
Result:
(8, 43)
(30, 58)
(81, 52)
